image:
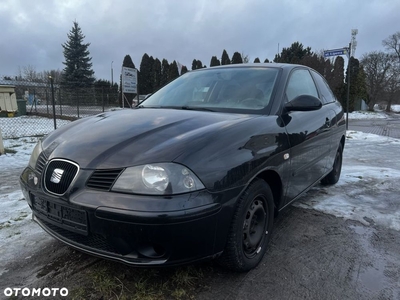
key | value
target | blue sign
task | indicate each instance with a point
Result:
(335, 52)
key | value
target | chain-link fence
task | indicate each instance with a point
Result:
(40, 107)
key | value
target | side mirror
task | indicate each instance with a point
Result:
(303, 103)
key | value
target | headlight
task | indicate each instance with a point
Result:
(158, 179)
(35, 154)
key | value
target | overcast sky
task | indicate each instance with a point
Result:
(32, 31)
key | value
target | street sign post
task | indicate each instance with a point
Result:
(129, 80)
(129, 83)
(343, 51)
(335, 52)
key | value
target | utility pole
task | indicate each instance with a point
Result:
(348, 87)
(352, 51)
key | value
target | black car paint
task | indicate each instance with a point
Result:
(225, 150)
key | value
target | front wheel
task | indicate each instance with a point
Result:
(251, 228)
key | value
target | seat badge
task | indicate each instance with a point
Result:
(56, 176)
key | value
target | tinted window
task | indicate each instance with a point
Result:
(219, 89)
(326, 93)
(300, 83)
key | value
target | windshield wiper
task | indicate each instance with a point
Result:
(185, 107)
(196, 108)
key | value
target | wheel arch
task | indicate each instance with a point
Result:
(342, 141)
(275, 183)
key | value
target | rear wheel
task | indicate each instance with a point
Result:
(251, 228)
(334, 175)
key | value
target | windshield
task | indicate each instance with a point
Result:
(217, 89)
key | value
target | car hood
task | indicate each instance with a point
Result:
(138, 136)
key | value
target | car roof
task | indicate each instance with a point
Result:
(247, 65)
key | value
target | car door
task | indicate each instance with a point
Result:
(328, 99)
(308, 133)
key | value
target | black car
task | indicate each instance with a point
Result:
(198, 170)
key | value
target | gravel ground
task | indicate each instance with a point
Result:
(312, 255)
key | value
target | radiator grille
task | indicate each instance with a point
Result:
(40, 163)
(103, 179)
(59, 175)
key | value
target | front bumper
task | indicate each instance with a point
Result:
(137, 230)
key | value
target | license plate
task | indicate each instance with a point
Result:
(63, 216)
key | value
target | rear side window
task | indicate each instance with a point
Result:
(300, 83)
(326, 92)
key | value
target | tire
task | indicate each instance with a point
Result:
(334, 175)
(251, 228)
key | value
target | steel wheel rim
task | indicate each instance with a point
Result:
(254, 224)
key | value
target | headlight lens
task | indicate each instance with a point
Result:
(35, 154)
(157, 179)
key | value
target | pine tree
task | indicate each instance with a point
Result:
(214, 62)
(164, 72)
(78, 66)
(225, 58)
(266, 60)
(156, 74)
(293, 54)
(194, 64)
(357, 85)
(256, 60)
(337, 83)
(173, 71)
(236, 58)
(199, 65)
(128, 62)
(145, 75)
(184, 70)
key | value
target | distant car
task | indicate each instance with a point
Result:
(197, 171)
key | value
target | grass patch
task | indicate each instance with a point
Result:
(116, 281)
(22, 216)
(15, 233)
(10, 151)
(5, 225)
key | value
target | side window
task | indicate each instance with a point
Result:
(326, 92)
(300, 83)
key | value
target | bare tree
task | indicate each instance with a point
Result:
(28, 73)
(245, 58)
(392, 44)
(55, 74)
(378, 67)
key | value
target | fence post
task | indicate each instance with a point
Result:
(47, 103)
(102, 96)
(54, 102)
(34, 99)
(59, 99)
(2, 151)
(77, 106)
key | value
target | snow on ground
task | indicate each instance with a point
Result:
(358, 115)
(395, 108)
(368, 187)
(367, 191)
(28, 126)
(17, 231)
(377, 114)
